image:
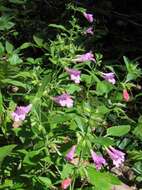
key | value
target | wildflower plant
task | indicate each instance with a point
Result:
(75, 126)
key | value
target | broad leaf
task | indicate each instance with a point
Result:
(118, 130)
(101, 180)
(104, 141)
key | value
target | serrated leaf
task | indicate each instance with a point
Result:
(118, 130)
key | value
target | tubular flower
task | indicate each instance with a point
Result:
(99, 161)
(85, 57)
(117, 156)
(89, 31)
(126, 96)
(64, 100)
(109, 77)
(66, 183)
(20, 113)
(74, 75)
(89, 17)
(70, 155)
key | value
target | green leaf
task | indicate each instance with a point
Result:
(30, 155)
(25, 45)
(45, 181)
(71, 88)
(61, 27)
(38, 41)
(7, 183)
(5, 23)
(118, 130)
(138, 130)
(5, 151)
(86, 78)
(1, 105)
(1, 48)
(76, 8)
(135, 155)
(132, 71)
(101, 180)
(14, 82)
(137, 167)
(55, 118)
(9, 47)
(67, 171)
(103, 87)
(104, 141)
(14, 59)
(102, 110)
(18, 1)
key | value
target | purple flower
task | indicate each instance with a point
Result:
(64, 100)
(20, 113)
(89, 31)
(98, 160)
(74, 75)
(85, 57)
(70, 155)
(89, 17)
(117, 156)
(109, 77)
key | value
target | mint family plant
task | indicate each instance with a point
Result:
(63, 116)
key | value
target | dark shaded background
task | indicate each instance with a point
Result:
(122, 22)
(118, 24)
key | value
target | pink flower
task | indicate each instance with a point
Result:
(126, 96)
(64, 100)
(117, 156)
(74, 75)
(109, 77)
(70, 154)
(66, 183)
(89, 31)
(98, 160)
(89, 17)
(20, 113)
(85, 57)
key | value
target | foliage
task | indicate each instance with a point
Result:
(36, 72)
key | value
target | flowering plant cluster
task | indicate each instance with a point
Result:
(65, 114)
